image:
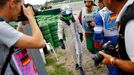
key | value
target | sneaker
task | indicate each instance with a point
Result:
(81, 71)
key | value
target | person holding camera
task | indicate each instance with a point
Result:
(9, 37)
(86, 19)
(106, 30)
(125, 61)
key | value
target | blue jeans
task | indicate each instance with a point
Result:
(113, 70)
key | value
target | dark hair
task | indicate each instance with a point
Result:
(3, 2)
(100, 1)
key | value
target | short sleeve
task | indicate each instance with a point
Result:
(8, 35)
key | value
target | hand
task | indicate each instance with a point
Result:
(87, 25)
(107, 58)
(62, 44)
(81, 36)
(28, 12)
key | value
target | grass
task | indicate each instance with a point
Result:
(76, 0)
(61, 53)
(54, 68)
(50, 61)
(59, 65)
(61, 71)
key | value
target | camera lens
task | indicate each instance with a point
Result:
(97, 58)
(107, 48)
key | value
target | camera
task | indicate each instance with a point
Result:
(107, 48)
(22, 17)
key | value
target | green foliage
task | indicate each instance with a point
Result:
(50, 61)
(61, 71)
(57, 69)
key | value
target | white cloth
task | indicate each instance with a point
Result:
(129, 39)
(71, 42)
(129, 30)
(67, 29)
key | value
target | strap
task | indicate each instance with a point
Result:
(7, 61)
(127, 16)
(13, 70)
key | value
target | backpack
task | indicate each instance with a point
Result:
(126, 17)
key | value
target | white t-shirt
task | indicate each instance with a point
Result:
(129, 39)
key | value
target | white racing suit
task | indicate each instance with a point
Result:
(72, 41)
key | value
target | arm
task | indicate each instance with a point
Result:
(20, 27)
(60, 33)
(34, 41)
(128, 67)
(125, 65)
(60, 29)
(79, 17)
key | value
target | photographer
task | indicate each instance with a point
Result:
(9, 37)
(125, 62)
(86, 19)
